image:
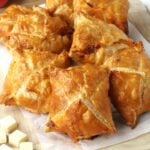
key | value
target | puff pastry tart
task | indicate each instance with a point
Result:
(110, 11)
(129, 82)
(79, 96)
(33, 29)
(91, 37)
(27, 83)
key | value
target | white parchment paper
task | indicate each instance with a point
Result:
(147, 4)
(56, 141)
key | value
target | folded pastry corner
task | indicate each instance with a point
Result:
(91, 36)
(34, 29)
(110, 11)
(129, 83)
(27, 83)
(79, 96)
(126, 90)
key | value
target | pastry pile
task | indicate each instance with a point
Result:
(73, 60)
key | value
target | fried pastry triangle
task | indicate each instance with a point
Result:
(33, 29)
(91, 36)
(110, 11)
(27, 83)
(129, 82)
(79, 95)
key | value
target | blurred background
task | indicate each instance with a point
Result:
(25, 2)
(22, 2)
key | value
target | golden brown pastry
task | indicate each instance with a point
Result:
(111, 11)
(79, 104)
(27, 83)
(90, 38)
(125, 56)
(76, 98)
(33, 29)
(63, 8)
(129, 82)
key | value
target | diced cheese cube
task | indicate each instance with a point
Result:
(8, 123)
(5, 147)
(3, 136)
(26, 146)
(16, 138)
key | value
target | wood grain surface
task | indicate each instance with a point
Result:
(138, 15)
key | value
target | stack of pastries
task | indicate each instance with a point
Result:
(73, 60)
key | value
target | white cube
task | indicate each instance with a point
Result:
(26, 146)
(16, 138)
(3, 136)
(5, 147)
(8, 123)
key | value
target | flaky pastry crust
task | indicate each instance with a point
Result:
(62, 8)
(33, 29)
(110, 11)
(129, 82)
(91, 37)
(79, 95)
(27, 83)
